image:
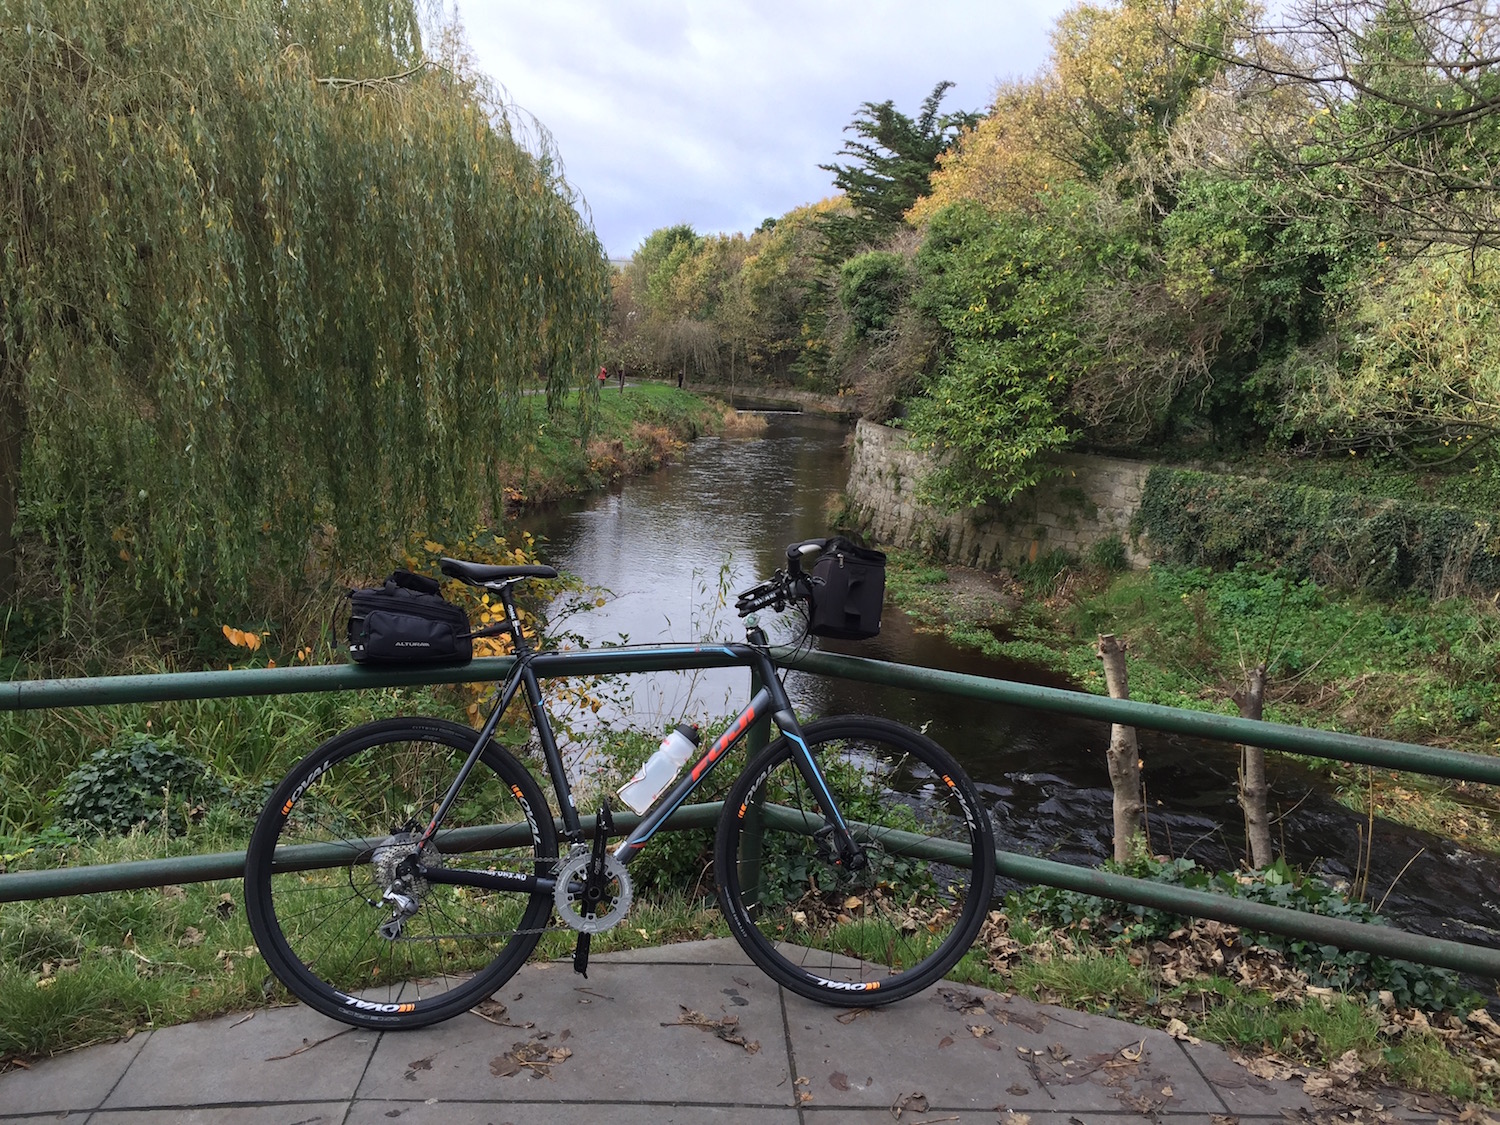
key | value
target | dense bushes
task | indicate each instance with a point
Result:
(1386, 546)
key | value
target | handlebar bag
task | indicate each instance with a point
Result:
(407, 622)
(848, 589)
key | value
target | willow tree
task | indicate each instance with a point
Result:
(275, 273)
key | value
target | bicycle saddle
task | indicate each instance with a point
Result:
(480, 573)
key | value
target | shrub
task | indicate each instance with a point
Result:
(870, 289)
(139, 779)
(1383, 545)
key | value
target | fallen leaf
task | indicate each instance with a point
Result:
(915, 1102)
(1316, 1085)
(413, 1067)
(723, 1028)
(979, 1030)
(1058, 1052)
(1014, 1118)
(1016, 1090)
(1179, 1030)
(533, 1056)
(1133, 1053)
(945, 1041)
(1484, 1021)
(1347, 1066)
(192, 937)
(839, 1080)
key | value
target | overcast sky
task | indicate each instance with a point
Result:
(717, 113)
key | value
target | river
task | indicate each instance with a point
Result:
(665, 546)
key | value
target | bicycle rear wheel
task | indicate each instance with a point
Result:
(878, 934)
(327, 848)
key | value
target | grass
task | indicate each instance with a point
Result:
(82, 970)
(1410, 670)
(1293, 1028)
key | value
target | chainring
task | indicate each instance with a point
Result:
(572, 905)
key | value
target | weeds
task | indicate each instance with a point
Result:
(1406, 669)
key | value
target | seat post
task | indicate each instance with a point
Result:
(519, 643)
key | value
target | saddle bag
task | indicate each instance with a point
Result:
(406, 621)
(848, 590)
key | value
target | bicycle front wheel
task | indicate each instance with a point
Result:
(338, 916)
(903, 918)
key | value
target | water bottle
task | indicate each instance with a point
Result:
(660, 768)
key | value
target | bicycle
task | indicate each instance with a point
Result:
(406, 868)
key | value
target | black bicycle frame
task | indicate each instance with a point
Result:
(530, 667)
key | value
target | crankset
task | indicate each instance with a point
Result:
(593, 890)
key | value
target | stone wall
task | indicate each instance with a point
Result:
(1092, 500)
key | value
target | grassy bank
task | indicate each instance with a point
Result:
(1411, 670)
(629, 432)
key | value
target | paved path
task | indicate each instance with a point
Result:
(623, 1047)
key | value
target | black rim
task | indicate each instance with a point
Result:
(873, 935)
(369, 793)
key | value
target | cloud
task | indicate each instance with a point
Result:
(718, 114)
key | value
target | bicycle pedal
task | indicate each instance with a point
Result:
(581, 956)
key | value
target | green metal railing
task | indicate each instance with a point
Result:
(1387, 941)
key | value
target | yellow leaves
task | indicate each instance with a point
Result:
(241, 638)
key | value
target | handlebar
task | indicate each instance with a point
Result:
(780, 590)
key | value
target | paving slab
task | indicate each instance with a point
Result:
(523, 1113)
(623, 1033)
(77, 1081)
(1242, 1092)
(285, 1113)
(1004, 1117)
(258, 1058)
(662, 1036)
(709, 951)
(968, 1049)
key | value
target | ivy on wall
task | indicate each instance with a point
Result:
(1385, 546)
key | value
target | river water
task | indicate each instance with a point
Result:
(668, 544)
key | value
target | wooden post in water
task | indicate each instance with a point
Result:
(1124, 753)
(1253, 788)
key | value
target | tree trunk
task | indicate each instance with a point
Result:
(1250, 699)
(1124, 753)
(12, 434)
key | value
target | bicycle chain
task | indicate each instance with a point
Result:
(561, 927)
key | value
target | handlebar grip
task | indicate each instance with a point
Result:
(796, 552)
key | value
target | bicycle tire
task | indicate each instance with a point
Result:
(318, 927)
(856, 938)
